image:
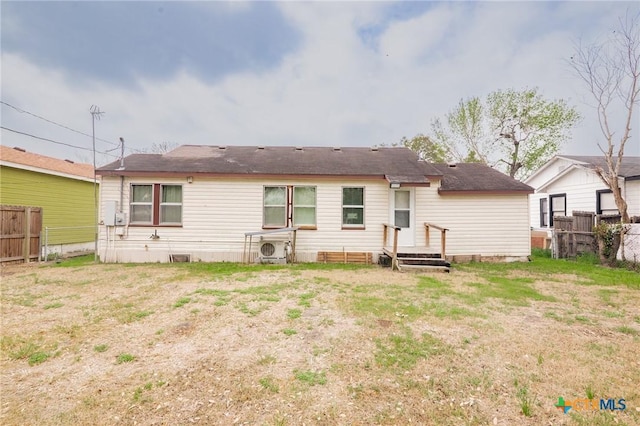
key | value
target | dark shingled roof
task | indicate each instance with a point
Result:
(401, 163)
(630, 167)
(395, 164)
(476, 177)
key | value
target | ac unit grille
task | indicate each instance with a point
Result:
(267, 249)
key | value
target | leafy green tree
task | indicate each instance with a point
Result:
(426, 148)
(515, 132)
(529, 128)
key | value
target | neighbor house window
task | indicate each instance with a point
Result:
(605, 203)
(156, 204)
(353, 207)
(558, 206)
(544, 212)
(289, 206)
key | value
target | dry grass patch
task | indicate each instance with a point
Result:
(316, 344)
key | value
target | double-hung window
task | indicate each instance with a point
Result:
(544, 212)
(275, 207)
(141, 204)
(304, 206)
(558, 206)
(289, 206)
(353, 207)
(156, 204)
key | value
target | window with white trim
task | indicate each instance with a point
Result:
(275, 206)
(289, 206)
(353, 207)
(156, 204)
(304, 206)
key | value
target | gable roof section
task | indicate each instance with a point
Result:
(398, 164)
(18, 158)
(476, 177)
(629, 169)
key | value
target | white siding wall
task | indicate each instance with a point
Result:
(217, 213)
(581, 185)
(548, 173)
(489, 225)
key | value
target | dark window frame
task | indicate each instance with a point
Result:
(551, 209)
(599, 193)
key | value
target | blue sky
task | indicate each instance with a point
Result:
(280, 73)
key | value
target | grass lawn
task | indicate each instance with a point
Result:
(317, 344)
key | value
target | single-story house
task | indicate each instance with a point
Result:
(204, 203)
(62, 190)
(569, 183)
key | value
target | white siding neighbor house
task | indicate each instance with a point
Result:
(240, 203)
(569, 183)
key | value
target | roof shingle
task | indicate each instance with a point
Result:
(630, 167)
(302, 161)
(476, 177)
(392, 163)
(17, 156)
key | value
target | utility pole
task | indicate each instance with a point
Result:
(95, 115)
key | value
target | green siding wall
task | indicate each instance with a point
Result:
(65, 202)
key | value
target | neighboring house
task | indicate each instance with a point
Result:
(201, 202)
(569, 183)
(64, 190)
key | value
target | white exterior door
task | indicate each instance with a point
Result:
(403, 215)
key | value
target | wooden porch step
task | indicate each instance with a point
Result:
(406, 267)
(413, 257)
(423, 261)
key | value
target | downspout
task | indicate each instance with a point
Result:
(121, 176)
(121, 193)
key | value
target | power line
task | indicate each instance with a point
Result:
(116, 144)
(57, 124)
(56, 142)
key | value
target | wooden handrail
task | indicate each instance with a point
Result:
(396, 229)
(443, 237)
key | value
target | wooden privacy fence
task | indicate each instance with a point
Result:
(20, 233)
(573, 235)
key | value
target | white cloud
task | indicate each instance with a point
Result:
(334, 90)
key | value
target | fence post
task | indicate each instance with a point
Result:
(46, 243)
(26, 242)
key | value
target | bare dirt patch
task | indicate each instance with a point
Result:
(150, 344)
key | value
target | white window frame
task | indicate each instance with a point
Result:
(353, 206)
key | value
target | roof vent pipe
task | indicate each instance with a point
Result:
(121, 153)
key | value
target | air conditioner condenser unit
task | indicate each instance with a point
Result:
(272, 252)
